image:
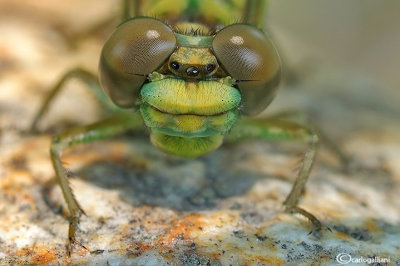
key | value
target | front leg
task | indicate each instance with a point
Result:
(89, 79)
(278, 130)
(79, 135)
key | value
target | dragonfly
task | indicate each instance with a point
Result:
(192, 73)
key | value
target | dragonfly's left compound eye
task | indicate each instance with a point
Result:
(135, 49)
(249, 56)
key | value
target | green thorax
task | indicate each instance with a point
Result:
(212, 13)
(208, 12)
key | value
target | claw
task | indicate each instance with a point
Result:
(317, 226)
(70, 247)
(317, 232)
(73, 227)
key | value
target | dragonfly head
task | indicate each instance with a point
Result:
(190, 86)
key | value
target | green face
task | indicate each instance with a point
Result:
(178, 108)
(190, 86)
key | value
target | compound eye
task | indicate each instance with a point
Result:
(248, 55)
(135, 49)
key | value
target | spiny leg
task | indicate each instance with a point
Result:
(273, 129)
(298, 188)
(79, 135)
(83, 75)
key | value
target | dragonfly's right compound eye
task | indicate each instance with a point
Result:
(135, 49)
(248, 55)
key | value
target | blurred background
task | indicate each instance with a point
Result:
(360, 35)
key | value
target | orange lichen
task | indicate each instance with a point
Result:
(44, 255)
(40, 255)
(140, 247)
(270, 260)
(342, 235)
(180, 230)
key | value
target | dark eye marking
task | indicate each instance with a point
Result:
(175, 65)
(210, 68)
